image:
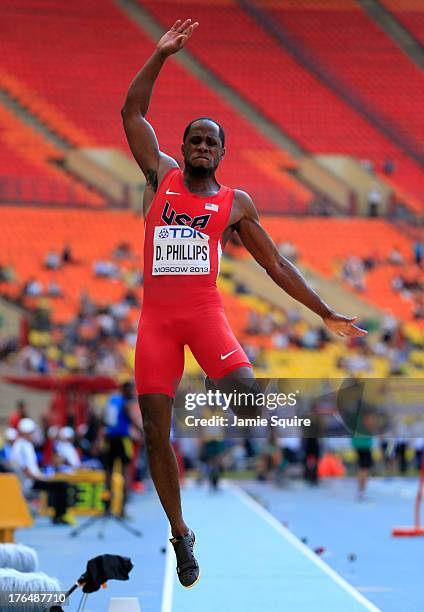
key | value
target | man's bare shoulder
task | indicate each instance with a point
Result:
(242, 196)
(244, 203)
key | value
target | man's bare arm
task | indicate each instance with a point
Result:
(283, 272)
(140, 134)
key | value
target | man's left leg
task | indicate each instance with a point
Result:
(227, 366)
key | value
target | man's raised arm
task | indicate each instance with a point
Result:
(140, 134)
(284, 273)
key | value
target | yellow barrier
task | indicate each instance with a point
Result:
(14, 510)
(90, 492)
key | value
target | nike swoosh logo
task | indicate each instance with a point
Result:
(172, 192)
(228, 354)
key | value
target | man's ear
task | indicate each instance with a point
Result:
(223, 152)
(182, 149)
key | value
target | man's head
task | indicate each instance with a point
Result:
(127, 390)
(203, 146)
(26, 428)
(21, 408)
(66, 434)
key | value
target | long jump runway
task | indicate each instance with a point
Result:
(250, 562)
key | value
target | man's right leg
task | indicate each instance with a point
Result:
(159, 365)
(156, 410)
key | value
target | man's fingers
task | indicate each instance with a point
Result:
(189, 31)
(194, 25)
(176, 24)
(183, 26)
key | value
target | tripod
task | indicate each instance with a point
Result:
(103, 518)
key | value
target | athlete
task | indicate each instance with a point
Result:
(189, 217)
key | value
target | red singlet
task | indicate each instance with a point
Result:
(182, 305)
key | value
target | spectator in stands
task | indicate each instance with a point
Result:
(353, 273)
(389, 326)
(418, 252)
(388, 166)
(131, 299)
(397, 361)
(370, 261)
(24, 462)
(41, 316)
(105, 269)
(367, 165)
(53, 260)
(32, 288)
(396, 257)
(253, 323)
(288, 249)
(20, 412)
(293, 315)
(375, 199)
(7, 274)
(67, 256)
(419, 308)
(53, 289)
(281, 338)
(310, 339)
(122, 251)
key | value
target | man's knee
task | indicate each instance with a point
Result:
(156, 414)
(246, 391)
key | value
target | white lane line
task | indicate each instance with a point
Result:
(287, 535)
(168, 581)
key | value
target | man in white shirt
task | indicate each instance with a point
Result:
(66, 450)
(24, 461)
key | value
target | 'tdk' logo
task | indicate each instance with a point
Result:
(175, 231)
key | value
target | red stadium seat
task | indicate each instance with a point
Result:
(252, 62)
(85, 79)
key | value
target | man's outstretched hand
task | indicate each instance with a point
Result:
(177, 37)
(343, 326)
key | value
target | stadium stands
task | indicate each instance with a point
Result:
(411, 15)
(344, 238)
(250, 60)
(370, 62)
(76, 85)
(91, 235)
(27, 156)
(86, 82)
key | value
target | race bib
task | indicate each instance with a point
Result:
(179, 249)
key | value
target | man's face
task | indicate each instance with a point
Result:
(203, 149)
